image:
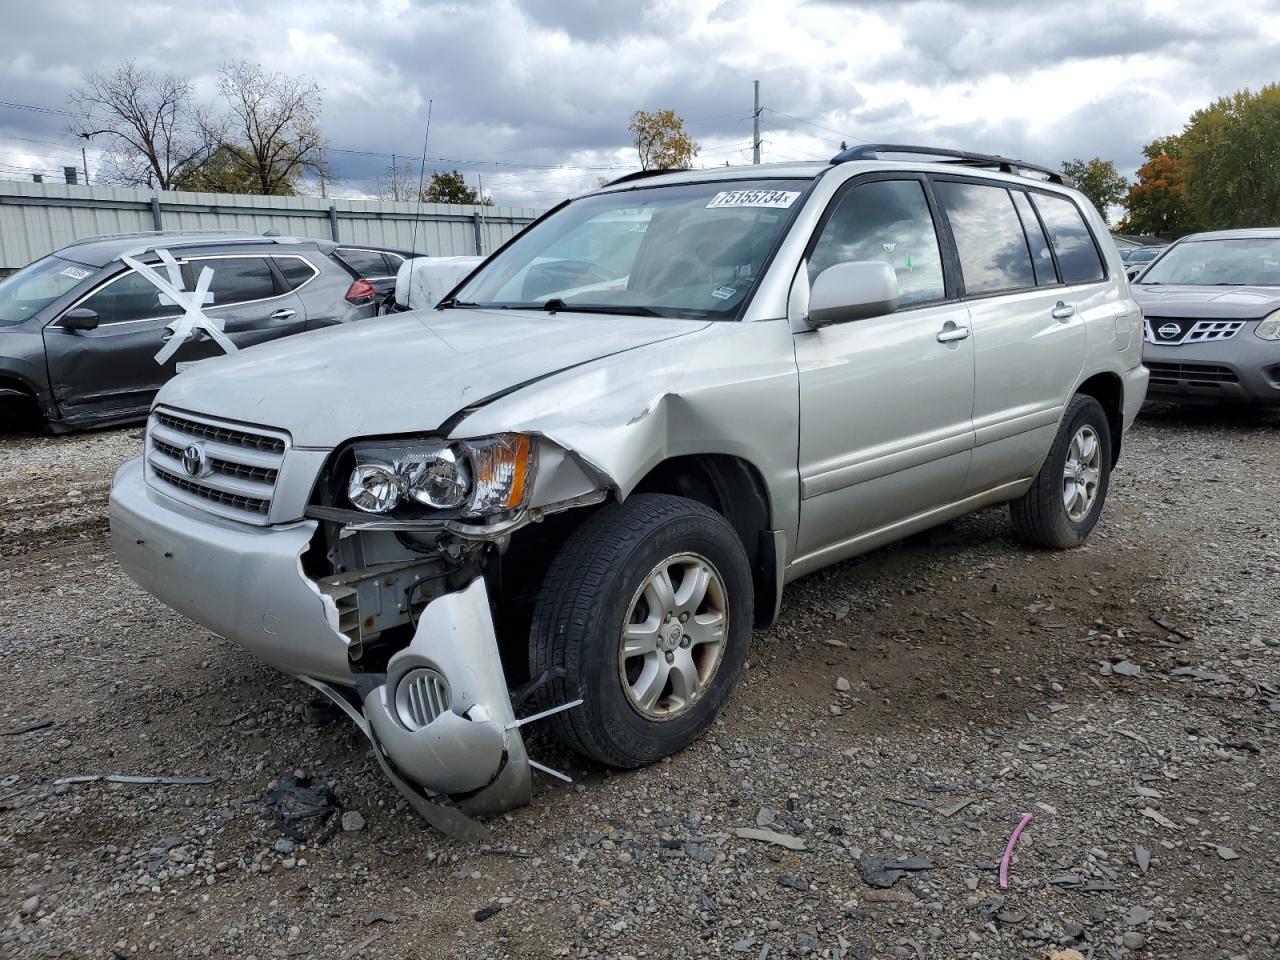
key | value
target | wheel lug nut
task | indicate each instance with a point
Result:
(684, 641)
(671, 657)
(684, 618)
(668, 616)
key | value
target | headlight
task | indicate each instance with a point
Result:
(473, 478)
(1269, 329)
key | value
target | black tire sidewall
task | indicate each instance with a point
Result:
(607, 724)
(1087, 411)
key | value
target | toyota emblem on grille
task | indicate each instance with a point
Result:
(1169, 331)
(193, 460)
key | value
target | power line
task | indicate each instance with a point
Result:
(840, 133)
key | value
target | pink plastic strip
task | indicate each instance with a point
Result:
(1008, 851)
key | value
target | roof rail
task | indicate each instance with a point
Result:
(872, 151)
(640, 175)
(155, 233)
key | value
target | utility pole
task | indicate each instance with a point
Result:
(755, 122)
(85, 163)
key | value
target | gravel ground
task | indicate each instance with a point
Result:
(913, 704)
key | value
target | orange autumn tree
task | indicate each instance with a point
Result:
(1157, 203)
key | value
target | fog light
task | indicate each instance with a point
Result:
(421, 696)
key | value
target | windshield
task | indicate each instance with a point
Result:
(1253, 262)
(689, 251)
(36, 286)
(1142, 256)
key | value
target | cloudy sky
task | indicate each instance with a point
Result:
(535, 95)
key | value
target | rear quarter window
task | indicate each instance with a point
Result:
(1078, 257)
(295, 270)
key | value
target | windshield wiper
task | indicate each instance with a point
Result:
(454, 302)
(556, 305)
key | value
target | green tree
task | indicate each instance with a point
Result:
(1231, 152)
(224, 173)
(451, 187)
(1098, 180)
(661, 140)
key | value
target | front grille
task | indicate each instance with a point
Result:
(1171, 331)
(421, 696)
(1202, 374)
(235, 467)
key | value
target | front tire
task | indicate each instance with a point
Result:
(1067, 496)
(645, 613)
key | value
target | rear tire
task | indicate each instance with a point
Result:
(647, 610)
(1067, 496)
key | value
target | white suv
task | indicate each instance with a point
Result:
(573, 487)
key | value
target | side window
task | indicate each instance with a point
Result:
(394, 260)
(886, 220)
(236, 279)
(1041, 258)
(989, 238)
(367, 263)
(295, 270)
(131, 297)
(1073, 243)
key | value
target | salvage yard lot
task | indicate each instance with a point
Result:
(910, 704)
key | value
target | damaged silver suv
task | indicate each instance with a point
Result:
(568, 492)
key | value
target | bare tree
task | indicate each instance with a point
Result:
(398, 182)
(272, 125)
(157, 134)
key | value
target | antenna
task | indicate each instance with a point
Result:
(422, 170)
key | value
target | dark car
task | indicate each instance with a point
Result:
(80, 330)
(1212, 308)
(1139, 257)
(377, 267)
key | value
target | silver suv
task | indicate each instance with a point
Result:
(568, 492)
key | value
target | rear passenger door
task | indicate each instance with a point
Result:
(251, 296)
(1029, 344)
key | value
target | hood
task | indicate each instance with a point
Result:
(1206, 303)
(403, 373)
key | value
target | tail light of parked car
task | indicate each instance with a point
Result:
(361, 292)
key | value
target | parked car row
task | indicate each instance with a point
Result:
(80, 329)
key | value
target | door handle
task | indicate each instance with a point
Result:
(282, 314)
(1063, 311)
(951, 333)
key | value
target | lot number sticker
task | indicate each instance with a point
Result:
(754, 198)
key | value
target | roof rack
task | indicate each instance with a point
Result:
(155, 233)
(872, 151)
(640, 175)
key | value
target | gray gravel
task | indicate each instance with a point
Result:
(854, 800)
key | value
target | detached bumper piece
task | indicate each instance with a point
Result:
(441, 720)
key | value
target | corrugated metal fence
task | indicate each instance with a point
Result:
(39, 218)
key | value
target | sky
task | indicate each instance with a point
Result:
(534, 96)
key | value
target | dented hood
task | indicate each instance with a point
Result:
(403, 373)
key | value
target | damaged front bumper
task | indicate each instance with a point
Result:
(440, 717)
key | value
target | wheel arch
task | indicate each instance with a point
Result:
(735, 488)
(1108, 389)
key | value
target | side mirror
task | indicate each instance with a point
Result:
(853, 291)
(81, 318)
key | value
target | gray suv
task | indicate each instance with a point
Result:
(1212, 306)
(80, 330)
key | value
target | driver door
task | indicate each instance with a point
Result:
(886, 403)
(111, 369)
